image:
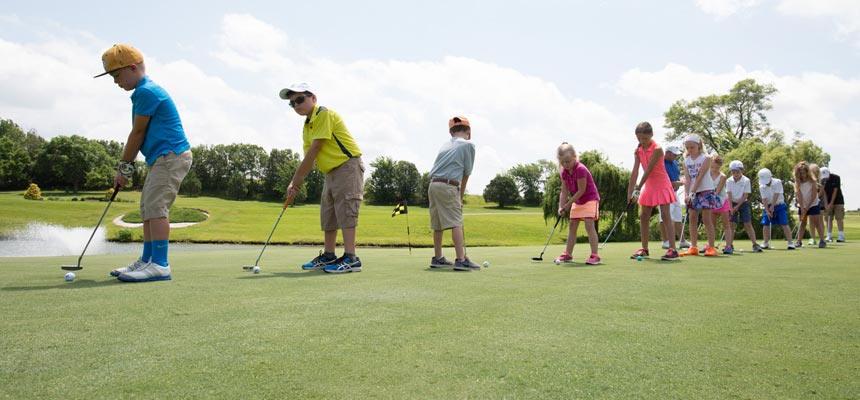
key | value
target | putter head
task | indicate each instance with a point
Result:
(537, 258)
(71, 267)
(248, 267)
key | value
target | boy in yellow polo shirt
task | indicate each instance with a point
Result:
(327, 142)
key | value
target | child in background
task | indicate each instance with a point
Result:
(670, 161)
(739, 189)
(807, 203)
(653, 190)
(775, 209)
(723, 203)
(815, 171)
(582, 203)
(700, 194)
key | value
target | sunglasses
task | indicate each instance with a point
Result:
(298, 100)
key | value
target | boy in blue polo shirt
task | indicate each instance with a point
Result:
(157, 133)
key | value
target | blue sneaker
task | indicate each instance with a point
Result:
(319, 262)
(728, 250)
(344, 264)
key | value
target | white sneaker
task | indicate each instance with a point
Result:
(150, 272)
(790, 246)
(665, 244)
(136, 265)
(684, 244)
(828, 238)
(811, 242)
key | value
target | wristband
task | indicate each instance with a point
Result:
(126, 169)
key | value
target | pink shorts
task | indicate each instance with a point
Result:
(585, 211)
(724, 208)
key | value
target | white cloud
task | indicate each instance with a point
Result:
(845, 13)
(725, 8)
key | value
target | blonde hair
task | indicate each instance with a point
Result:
(694, 138)
(565, 149)
(815, 172)
(801, 166)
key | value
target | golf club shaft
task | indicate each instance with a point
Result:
(616, 223)
(112, 197)
(286, 204)
(557, 220)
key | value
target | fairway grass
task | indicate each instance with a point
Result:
(778, 325)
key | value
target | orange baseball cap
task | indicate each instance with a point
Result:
(458, 120)
(119, 56)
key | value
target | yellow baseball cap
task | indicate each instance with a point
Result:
(119, 56)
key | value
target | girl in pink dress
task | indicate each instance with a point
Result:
(653, 190)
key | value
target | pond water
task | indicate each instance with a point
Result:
(39, 239)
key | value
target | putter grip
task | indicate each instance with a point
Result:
(288, 201)
(115, 192)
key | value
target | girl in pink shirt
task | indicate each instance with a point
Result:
(578, 196)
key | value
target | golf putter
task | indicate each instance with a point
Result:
(78, 266)
(616, 224)
(540, 257)
(256, 263)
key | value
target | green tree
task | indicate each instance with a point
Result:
(392, 181)
(279, 170)
(502, 190)
(14, 164)
(724, 121)
(529, 179)
(66, 161)
(191, 185)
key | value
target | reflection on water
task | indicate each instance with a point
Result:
(39, 239)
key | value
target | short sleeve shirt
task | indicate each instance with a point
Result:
(164, 132)
(672, 170)
(737, 188)
(767, 192)
(571, 178)
(832, 183)
(454, 160)
(338, 144)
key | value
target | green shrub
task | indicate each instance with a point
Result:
(124, 235)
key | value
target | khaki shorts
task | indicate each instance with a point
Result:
(162, 184)
(837, 212)
(343, 191)
(446, 208)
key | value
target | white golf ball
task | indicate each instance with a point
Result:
(256, 269)
(741, 250)
(557, 262)
(70, 276)
(486, 264)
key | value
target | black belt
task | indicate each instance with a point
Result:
(448, 181)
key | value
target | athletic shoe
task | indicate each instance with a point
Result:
(319, 262)
(766, 246)
(684, 244)
(670, 255)
(150, 272)
(756, 248)
(728, 250)
(440, 262)
(137, 264)
(710, 251)
(665, 244)
(811, 242)
(564, 257)
(840, 239)
(790, 246)
(641, 253)
(822, 244)
(593, 259)
(344, 264)
(466, 265)
(692, 251)
(828, 239)
(798, 244)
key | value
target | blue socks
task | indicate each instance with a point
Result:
(147, 252)
(159, 252)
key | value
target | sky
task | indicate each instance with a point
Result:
(528, 74)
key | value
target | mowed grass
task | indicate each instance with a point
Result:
(753, 326)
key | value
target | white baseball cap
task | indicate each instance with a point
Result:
(673, 149)
(764, 176)
(736, 165)
(825, 172)
(299, 87)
